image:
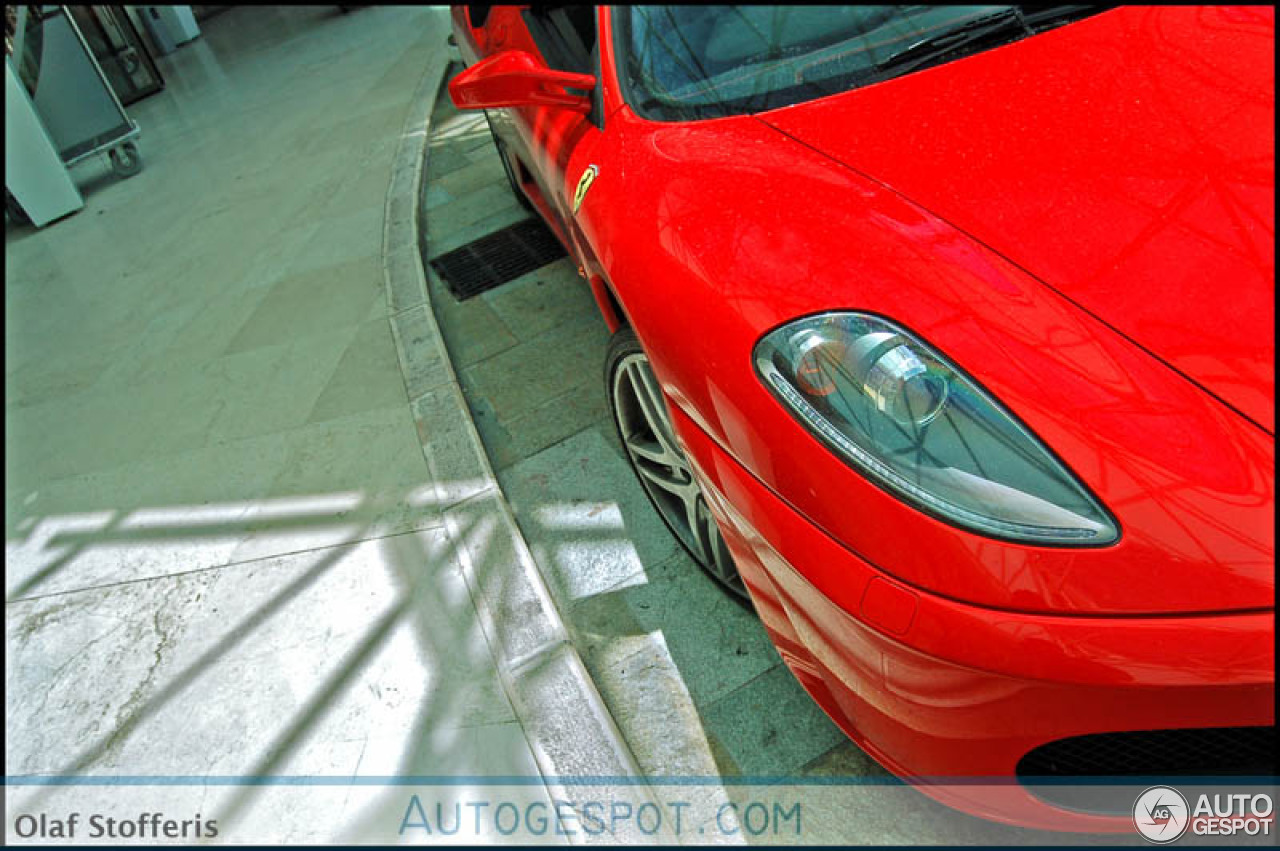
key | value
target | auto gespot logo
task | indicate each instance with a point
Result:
(1162, 814)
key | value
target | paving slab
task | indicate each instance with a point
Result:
(715, 642)
(519, 380)
(548, 297)
(471, 328)
(323, 299)
(366, 377)
(589, 529)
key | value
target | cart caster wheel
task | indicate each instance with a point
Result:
(125, 160)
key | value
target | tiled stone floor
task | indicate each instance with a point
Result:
(221, 554)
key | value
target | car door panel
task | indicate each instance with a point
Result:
(543, 138)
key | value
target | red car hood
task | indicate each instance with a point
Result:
(1126, 160)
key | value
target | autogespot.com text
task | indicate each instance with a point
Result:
(597, 817)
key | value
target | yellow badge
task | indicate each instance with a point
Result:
(584, 183)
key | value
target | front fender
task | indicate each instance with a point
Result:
(714, 232)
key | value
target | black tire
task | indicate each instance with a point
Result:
(700, 536)
(125, 160)
(507, 168)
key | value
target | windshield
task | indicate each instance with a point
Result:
(688, 62)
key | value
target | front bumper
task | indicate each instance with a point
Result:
(937, 690)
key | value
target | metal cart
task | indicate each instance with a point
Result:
(71, 93)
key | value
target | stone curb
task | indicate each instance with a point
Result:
(567, 725)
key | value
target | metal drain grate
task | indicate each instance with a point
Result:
(497, 258)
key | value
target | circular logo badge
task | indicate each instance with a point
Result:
(1160, 814)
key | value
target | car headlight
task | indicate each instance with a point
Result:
(901, 414)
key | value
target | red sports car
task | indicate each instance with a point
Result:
(947, 335)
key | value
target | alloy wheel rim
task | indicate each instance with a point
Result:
(664, 471)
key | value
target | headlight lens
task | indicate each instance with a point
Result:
(898, 412)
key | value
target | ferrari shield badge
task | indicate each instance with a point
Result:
(584, 183)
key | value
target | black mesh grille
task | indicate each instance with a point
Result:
(1212, 751)
(1085, 773)
(497, 258)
